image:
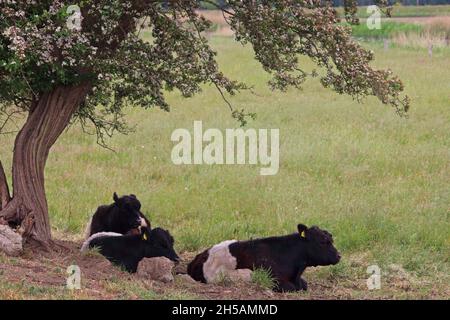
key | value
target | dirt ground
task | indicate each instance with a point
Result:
(42, 275)
(46, 273)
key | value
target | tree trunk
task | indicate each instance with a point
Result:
(47, 119)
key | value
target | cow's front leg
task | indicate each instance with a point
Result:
(130, 266)
(285, 286)
(301, 283)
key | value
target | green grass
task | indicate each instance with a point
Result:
(409, 11)
(388, 29)
(379, 183)
(93, 252)
(224, 280)
(263, 278)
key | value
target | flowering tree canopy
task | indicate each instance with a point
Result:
(86, 60)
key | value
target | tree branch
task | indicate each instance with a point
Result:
(9, 117)
(4, 190)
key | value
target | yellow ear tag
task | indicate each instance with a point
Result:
(144, 237)
(302, 234)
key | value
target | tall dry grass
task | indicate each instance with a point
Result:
(435, 32)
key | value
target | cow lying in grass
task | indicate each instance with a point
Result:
(286, 257)
(127, 251)
(123, 216)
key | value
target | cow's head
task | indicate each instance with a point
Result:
(159, 244)
(130, 215)
(320, 250)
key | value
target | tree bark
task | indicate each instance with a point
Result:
(47, 119)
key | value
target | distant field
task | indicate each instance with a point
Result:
(388, 29)
(430, 26)
(379, 183)
(409, 32)
(410, 11)
(399, 10)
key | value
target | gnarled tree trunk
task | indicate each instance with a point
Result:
(47, 119)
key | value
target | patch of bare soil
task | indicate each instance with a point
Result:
(48, 269)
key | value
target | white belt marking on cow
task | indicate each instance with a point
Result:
(85, 245)
(220, 261)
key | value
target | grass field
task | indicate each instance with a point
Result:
(399, 10)
(409, 11)
(403, 30)
(379, 183)
(387, 29)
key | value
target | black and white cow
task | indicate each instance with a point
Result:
(123, 216)
(127, 251)
(286, 257)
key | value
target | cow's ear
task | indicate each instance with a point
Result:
(115, 198)
(302, 230)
